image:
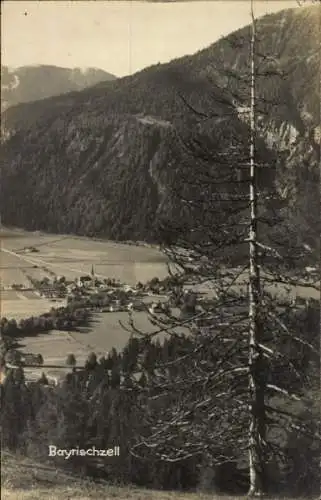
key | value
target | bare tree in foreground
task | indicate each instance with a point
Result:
(257, 432)
(249, 350)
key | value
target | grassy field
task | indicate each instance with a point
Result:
(104, 334)
(25, 479)
(72, 256)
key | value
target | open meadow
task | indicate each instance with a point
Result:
(104, 333)
(24, 478)
(72, 256)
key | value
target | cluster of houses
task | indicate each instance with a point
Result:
(51, 289)
(104, 295)
(109, 295)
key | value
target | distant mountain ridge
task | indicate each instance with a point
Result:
(30, 83)
(104, 160)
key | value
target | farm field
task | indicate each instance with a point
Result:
(72, 256)
(279, 289)
(69, 256)
(13, 270)
(104, 334)
(19, 308)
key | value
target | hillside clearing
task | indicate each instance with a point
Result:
(24, 479)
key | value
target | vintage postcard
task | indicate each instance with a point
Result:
(160, 249)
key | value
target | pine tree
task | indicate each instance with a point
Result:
(229, 392)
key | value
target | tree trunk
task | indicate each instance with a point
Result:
(256, 389)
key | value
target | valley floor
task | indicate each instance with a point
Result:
(72, 256)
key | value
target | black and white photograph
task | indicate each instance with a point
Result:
(160, 249)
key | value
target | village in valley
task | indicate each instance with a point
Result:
(74, 303)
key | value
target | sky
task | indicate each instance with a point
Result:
(120, 37)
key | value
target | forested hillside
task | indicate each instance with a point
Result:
(104, 161)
